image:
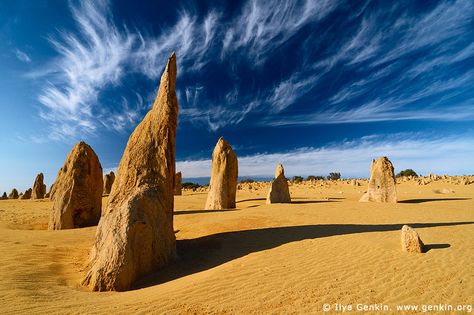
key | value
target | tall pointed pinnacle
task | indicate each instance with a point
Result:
(168, 81)
(279, 170)
(135, 235)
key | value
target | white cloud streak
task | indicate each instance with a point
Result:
(230, 106)
(399, 84)
(87, 64)
(22, 56)
(448, 155)
(264, 26)
(190, 38)
(97, 57)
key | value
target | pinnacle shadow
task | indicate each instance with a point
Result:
(254, 199)
(430, 200)
(203, 253)
(429, 247)
(312, 201)
(182, 212)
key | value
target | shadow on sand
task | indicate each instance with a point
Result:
(429, 247)
(254, 199)
(181, 212)
(312, 201)
(429, 200)
(206, 252)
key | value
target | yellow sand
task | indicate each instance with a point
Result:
(326, 247)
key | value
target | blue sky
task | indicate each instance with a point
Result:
(319, 86)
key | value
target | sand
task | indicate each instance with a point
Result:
(325, 247)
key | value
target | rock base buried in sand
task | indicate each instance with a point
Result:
(223, 186)
(13, 194)
(279, 191)
(411, 242)
(27, 194)
(382, 182)
(135, 235)
(77, 191)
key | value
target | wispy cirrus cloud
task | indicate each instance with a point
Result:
(230, 106)
(87, 63)
(446, 23)
(97, 57)
(385, 86)
(377, 111)
(442, 155)
(189, 37)
(287, 92)
(386, 63)
(22, 56)
(400, 64)
(263, 26)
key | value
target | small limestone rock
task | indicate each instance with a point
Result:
(39, 188)
(355, 183)
(108, 182)
(279, 191)
(135, 235)
(382, 182)
(447, 191)
(411, 242)
(77, 191)
(223, 186)
(177, 184)
(13, 194)
(27, 194)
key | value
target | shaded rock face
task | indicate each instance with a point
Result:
(411, 242)
(13, 194)
(50, 192)
(223, 186)
(108, 181)
(177, 184)
(4, 196)
(135, 235)
(39, 188)
(279, 191)
(27, 194)
(382, 182)
(77, 191)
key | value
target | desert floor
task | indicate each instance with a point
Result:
(325, 247)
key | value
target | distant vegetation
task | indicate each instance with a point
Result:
(334, 176)
(189, 185)
(407, 172)
(247, 180)
(297, 179)
(312, 177)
